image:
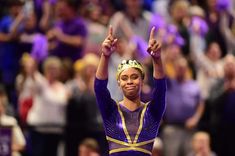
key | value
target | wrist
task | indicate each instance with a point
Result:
(157, 58)
(105, 55)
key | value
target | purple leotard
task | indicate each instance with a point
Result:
(131, 133)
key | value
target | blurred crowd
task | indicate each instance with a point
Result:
(49, 50)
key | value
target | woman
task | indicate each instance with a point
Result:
(46, 117)
(130, 125)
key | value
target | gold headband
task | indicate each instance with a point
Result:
(129, 64)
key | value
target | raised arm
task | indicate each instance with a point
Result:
(157, 104)
(154, 49)
(105, 102)
(107, 48)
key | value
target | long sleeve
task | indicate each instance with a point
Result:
(158, 103)
(105, 102)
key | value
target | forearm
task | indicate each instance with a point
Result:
(16, 23)
(17, 147)
(199, 111)
(5, 37)
(44, 23)
(158, 71)
(102, 70)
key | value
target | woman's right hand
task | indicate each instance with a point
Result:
(109, 44)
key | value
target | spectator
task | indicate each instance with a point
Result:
(179, 12)
(10, 26)
(47, 115)
(201, 145)
(209, 67)
(221, 101)
(96, 30)
(133, 24)
(83, 116)
(67, 37)
(88, 147)
(18, 140)
(184, 110)
(213, 19)
(25, 86)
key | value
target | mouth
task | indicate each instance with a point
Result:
(130, 87)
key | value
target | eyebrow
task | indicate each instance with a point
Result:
(130, 75)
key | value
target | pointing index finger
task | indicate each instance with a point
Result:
(110, 30)
(152, 33)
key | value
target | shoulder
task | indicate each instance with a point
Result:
(5, 22)
(147, 15)
(118, 16)
(80, 21)
(193, 83)
(8, 120)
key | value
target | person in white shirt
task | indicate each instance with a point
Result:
(47, 115)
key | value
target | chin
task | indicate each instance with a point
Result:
(131, 95)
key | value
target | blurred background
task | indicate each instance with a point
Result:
(49, 52)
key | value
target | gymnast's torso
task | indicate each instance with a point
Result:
(131, 133)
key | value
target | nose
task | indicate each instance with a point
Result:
(129, 81)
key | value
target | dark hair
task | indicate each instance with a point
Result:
(11, 3)
(74, 4)
(2, 89)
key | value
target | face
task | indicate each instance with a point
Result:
(29, 66)
(211, 3)
(201, 142)
(83, 151)
(63, 10)
(52, 72)
(86, 151)
(179, 10)
(173, 51)
(15, 10)
(30, 22)
(181, 69)
(214, 52)
(133, 7)
(131, 82)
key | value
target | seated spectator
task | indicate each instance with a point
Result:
(18, 140)
(201, 145)
(89, 147)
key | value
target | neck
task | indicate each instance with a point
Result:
(131, 104)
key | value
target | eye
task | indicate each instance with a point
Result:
(124, 78)
(134, 76)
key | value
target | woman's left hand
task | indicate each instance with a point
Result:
(154, 47)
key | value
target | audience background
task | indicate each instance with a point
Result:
(53, 100)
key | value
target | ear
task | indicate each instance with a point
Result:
(118, 81)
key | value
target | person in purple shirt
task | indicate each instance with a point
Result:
(185, 107)
(67, 37)
(130, 125)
